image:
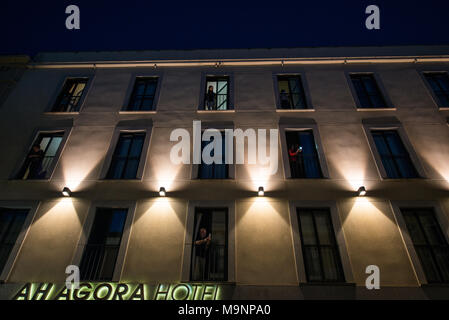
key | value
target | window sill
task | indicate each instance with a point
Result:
(138, 112)
(295, 110)
(435, 285)
(57, 113)
(377, 109)
(215, 111)
(443, 109)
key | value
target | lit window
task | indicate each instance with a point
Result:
(70, 96)
(217, 93)
(11, 223)
(209, 250)
(303, 155)
(291, 93)
(395, 158)
(368, 92)
(142, 97)
(429, 242)
(101, 251)
(126, 157)
(319, 246)
(41, 157)
(439, 82)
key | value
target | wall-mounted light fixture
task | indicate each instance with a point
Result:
(361, 192)
(162, 192)
(261, 192)
(66, 192)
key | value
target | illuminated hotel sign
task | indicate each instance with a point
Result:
(122, 291)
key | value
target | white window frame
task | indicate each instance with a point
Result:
(129, 127)
(283, 128)
(400, 222)
(87, 228)
(368, 127)
(187, 258)
(32, 207)
(339, 236)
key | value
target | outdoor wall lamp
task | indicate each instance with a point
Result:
(66, 192)
(362, 191)
(162, 192)
(261, 192)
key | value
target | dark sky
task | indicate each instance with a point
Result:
(31, 27)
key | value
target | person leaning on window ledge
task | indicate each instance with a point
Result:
(202, 245)
(210, 99)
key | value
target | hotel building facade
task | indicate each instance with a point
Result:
(361, 190)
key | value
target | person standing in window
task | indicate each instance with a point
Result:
(210, 99)
(35, 158)
(285, 102)
(202, 245)
(295, 160)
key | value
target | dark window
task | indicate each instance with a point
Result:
(439, 82)
(217, 93)
(11, 223)
(209, 250)
(142, 97)
(319, 247)
(429, 242)
(41, 156)
(214, 170)
(70, 97)
(394, 155)
(368, 91)
(291, 93)
(101, 251)
(126, 158)
(303, 155)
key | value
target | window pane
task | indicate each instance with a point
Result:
(312, 263)
(307, 229)
(11, 223)
(323, 228)
(330, 265)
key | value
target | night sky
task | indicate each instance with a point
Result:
(31, 27)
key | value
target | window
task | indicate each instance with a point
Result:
(214, 170)
(142, 97)
(303, 155)
(439, 82)
(429, 242)
(41, 156)
(395, 158)
(126, 157)
(217, 93)
(319, 247)
(101, 251)
(70, 97)
(11, 223)
(209, 251)
(291, 93)
(368, 92)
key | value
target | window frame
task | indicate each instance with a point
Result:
(231, 167)
(283, 128)
(382, 89)
(188, 245)
(32, 207)
(440, 217)
(368, 127)
(87, 225)
(338, 234)
(217, 74)
(90, 79)
(129, 91)
(128, 128)
(434, 97)
(36, 133)
(305, 87)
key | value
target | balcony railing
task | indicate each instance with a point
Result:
(213, 267)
